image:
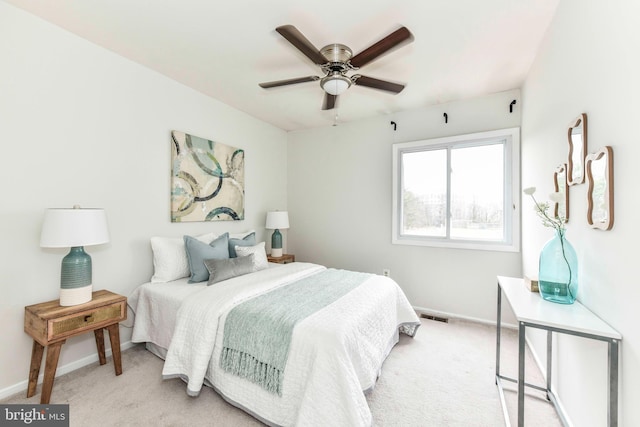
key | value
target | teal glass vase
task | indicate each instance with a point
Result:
(558, 270)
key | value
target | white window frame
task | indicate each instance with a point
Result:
(511, 243)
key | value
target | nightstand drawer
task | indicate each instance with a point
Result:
(50, 322)
(87, 319)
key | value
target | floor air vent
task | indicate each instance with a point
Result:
(436, 318)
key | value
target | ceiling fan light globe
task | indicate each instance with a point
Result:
(335, 85)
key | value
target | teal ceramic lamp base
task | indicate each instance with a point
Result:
(276, 244)
(75, 277)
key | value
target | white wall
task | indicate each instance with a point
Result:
(339, 188)
(589, 63)
(82, 125)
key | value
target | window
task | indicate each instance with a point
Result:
(458, 192)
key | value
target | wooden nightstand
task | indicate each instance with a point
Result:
(284, 259)
(50, 324)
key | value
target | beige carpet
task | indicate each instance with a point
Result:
(442, 377)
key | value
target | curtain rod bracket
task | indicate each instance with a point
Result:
(511, 106)
(446, 118)
(395, 126)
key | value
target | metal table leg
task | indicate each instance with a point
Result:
(549, 361)
(521, 355)
(612, 410)
(498, 330)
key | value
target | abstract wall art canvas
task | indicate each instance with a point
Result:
(207, 180)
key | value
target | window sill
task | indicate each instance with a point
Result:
(453, 244)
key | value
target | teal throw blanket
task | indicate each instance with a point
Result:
(257, 332)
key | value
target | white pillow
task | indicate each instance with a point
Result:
(259, 255)
(170, 257)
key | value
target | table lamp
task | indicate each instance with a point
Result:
(275, 221)
(74, 228)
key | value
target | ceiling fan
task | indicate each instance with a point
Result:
(336, 60)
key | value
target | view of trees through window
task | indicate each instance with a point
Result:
(454, 192)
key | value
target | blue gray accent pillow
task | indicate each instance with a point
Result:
(248, 240)
(223, 269)
(197, 252)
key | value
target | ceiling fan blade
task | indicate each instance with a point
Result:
(330, 101)
(268, 85)
(383, 46)
(377, 84)
(296, 38)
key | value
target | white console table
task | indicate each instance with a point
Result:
(573, 319)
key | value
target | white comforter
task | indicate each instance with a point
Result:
(334, 355)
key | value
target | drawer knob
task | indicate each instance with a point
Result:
(88, 318)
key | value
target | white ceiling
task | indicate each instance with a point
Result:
(461, 48)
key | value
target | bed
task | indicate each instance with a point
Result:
(335, 354)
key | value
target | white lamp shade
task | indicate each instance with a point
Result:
(277, 220)
(335, 85)
(63, 228)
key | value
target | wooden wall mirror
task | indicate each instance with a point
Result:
(599, 168)
(561, 208)
(577, 135)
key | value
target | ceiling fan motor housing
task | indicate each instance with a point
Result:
(336, 52)
(336, 82)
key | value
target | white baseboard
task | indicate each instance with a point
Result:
(69, 367)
